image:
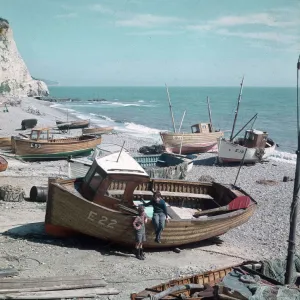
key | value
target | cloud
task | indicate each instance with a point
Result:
(101, 9)
(147, 21)
(154, 33)
(66, 15)
(274, 26)
(265, 36)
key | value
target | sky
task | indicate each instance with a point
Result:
(150, 43)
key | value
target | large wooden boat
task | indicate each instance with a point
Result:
(5, 143)
(254, 147)
(72, 124)
(3, 164)
(41, 146)
(101, 205)
(202, 139)
(97, 130)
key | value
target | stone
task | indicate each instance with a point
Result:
(15, 79)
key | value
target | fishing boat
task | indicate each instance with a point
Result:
(97, 130)
(102, 205)
(3, 164)
(165, 165)
(254, 147)
(5, 143)
(72, 124)
(42, 146)
(202, 139)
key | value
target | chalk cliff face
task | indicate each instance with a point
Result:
(15, 78)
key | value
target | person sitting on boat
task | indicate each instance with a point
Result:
(160, 215)
(140, 233)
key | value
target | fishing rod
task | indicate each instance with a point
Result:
(294, 206)
(237, 108)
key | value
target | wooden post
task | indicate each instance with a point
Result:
(181, 121)
(170, 106)
(237, 109)
(294, 205)
(209, 112)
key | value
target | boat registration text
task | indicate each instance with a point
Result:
(101, 220)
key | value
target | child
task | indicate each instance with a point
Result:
(140, 234)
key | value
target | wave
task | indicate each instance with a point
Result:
(140, 128)
(286, 157)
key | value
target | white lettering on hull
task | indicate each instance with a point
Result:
(101, 220)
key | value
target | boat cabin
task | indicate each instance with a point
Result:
(201, 128)
(40, 134)
(255, 138)
(117, 168)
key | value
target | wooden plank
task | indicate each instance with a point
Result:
(8, 272)
(51, 288)
(49, 282)
(83, 293)
(164, 194)
(172, 213)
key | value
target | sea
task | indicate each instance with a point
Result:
(145, 111)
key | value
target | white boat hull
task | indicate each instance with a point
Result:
(230, 152)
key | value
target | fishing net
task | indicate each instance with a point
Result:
(172, 172)
(254, 287)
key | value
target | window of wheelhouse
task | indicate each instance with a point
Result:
(93, 178)
(34, 134)
(249, 136)
(43, 135)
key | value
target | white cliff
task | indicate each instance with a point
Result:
(15, 78)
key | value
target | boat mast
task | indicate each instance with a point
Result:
(294, 205)
(237, 108)
(170, 106)
(182, 121)
(209, 112)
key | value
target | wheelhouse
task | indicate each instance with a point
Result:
(110, 170)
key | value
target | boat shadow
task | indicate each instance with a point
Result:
(35, 233)
(210, 161)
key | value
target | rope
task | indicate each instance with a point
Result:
(221, 253)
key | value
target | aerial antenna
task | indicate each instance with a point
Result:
(120, 151)
(237, 109)
(294, 206)
(170, 106)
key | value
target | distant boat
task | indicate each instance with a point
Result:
(40, 146)
(165, 165)
(97, 130)
(72, 124)
(202, 139)
(254, 147)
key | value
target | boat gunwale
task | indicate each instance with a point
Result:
(228, 214)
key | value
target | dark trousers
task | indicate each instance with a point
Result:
(159, 220)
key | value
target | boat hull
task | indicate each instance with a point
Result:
(229, 152)
(72, 125)
(97, 130)
(68, 210)
(5, 143)
(55, 149)
(3, 164)
(189, 143)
